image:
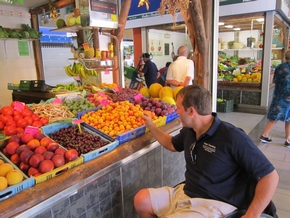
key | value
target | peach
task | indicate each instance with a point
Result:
(71, 155)
(52, 146)
(14, 138)
(48, 155)
(40, 150)
(45, 141)
(33, 144)
(58, 160)
(25, 156)
(15, 159)
(32, 171)
(25, 138)
(60, 151)
(39, 136)
(35, 160)
(22, 148)
(46, 166)
(11, 147)
(23, 166)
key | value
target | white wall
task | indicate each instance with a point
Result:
(161, 36)
(14, 67)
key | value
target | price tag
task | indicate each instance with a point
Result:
(56, 101)
(138, 97)
(77, 121)
(31, 130)
(19, 106)
(104, 102)
(102, 94)
(116, 89)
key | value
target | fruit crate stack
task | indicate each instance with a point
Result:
(225, 106)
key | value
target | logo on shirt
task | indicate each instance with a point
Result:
(208, 147)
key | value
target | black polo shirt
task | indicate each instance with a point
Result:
(225, 157)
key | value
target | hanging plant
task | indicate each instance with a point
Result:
(172, 6)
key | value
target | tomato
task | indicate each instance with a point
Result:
(26, 112)
(1, 125)
(35, 117)
(20, 130)
(29, 120)
(11, 123)
(44, 120)
(22, 123)
(37, 123)
(10, 130)
(4, 119)
(17, 117)
(16, 113)
(7, 110)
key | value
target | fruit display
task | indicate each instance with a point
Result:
(17, 116)
(99, 99)
(54, 112)
(71, 87)
(71, 138)
(116, 118)
(124, 94)
(77, 69)
(38, 154)
(25, 33)
(237, 69)
(9, 176)
(78, 104)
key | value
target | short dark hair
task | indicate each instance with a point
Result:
(167, 64)
(145, 55)
(197, 97)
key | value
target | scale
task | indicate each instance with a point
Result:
(98, 13)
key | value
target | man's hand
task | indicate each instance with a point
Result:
(148, 120)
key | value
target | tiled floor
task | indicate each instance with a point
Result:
(254, 125)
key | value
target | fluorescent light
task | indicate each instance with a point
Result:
(238, 28)
(260, 19)
(229, 26)
(221, 23)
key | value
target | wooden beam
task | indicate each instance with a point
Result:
(58, 4)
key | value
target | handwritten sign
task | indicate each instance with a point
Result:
(104, 102)
(31, 130)
(23, 48)
(56, 101)
(138, 97)
(77, 121)
(19, 106)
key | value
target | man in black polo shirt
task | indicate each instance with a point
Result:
(149, 71)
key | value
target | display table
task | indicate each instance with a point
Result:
(114, 177)
(28, 97)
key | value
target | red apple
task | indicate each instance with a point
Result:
(35, 160)
(52, 146)
(34, 143)
(58, 160)
(25, 138)
(71, 155)
(46, 166)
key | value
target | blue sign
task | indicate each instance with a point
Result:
(134, 10)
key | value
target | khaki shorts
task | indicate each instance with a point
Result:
(173, 203)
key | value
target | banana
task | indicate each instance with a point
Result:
(68, 71)
(83, 74)
(74, 68)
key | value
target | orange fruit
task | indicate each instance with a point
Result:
(3, 183)
(1, 162)
(5, 168)
(14, 177)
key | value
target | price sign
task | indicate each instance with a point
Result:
(138, 97)
(31, 130)
(19, 106)
(77, 121)
(104, 102)
(56, 101)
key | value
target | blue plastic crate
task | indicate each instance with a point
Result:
(48, 129)
(14, 189)
(132, 134)
(171, 117)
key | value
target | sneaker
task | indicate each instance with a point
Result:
(287, 144)
(266, 139)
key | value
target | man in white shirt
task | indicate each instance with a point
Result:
(181, 71)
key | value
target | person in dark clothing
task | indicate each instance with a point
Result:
(161, 74)
(149, 71)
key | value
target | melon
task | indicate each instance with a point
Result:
(168, 100)
(60, 23)
(176, 90)
(154, 90)
(166, 91)
(144, 91)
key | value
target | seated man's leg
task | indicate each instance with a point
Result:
(142, 204)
